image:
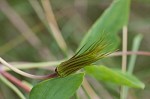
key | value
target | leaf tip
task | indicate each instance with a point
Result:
(142, 85)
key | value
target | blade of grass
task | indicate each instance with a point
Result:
(38, 9)
(86, 93)
(17, 40)
(89, 90)
(136, 43)
(100, 89)
(76, 95)
(53, 25)
(15, 81)
(28, 84)
(11, 86)
(33, 65)
(40, 13)
(27, 74)
(24, 29)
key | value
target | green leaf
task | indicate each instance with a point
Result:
(105, 74)
(111, 21)
(57, 88)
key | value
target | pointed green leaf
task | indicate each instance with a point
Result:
(111, 21)
(105, 74)
(57, 88)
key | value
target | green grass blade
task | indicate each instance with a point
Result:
(136, 43)
(11, 86)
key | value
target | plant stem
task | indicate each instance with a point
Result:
(86, 93)
(18, 40)
(24, 29)
(76, 96)
(135, 47)
(53, 25)
(26, 74)
(124, 49)
(16, 81)
(120, 53)
(33, 65)
(89, 90)
(11, 86)
(124, 56)
(21, 65)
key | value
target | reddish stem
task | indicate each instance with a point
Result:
(52, 76)
(15, 81)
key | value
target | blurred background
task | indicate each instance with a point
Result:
(26, 37)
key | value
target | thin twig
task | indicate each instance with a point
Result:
(27, 74)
